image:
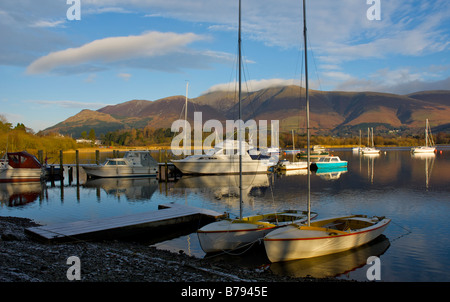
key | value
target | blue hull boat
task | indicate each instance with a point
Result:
(329, 162)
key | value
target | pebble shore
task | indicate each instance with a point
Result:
(26, 260)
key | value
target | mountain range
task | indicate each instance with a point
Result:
(331, 112)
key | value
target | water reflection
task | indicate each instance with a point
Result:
(17, 194)
(332, 265)
(332, 173)
(395, 183)
(130, 188)
(225, 188)
(428, 158)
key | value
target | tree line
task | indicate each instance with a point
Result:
(163, 136)
(19, 138)
(380, 141)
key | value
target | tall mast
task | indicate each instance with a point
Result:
(239, 123)
(368, 137)
(371, 129)
(185, 118)
(308, 161)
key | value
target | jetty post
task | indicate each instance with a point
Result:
(40, 156)
(97, 157)
(61, 167)
(77, 162)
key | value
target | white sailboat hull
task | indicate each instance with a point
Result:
(230, 234)
(225, 235)
(294, 242)
(288, 166)
(423, 149)
(429, 143)
(370, 151)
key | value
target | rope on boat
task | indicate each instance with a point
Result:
(247, 247)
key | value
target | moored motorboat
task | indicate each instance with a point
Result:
(329, 162)
(20, 167)
(135, 163)
(316, 153)
(224, 159)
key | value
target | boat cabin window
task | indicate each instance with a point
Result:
(116, 163)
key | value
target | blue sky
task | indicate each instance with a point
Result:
(51, 67)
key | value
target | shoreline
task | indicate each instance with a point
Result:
(26, 260)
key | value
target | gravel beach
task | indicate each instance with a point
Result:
(26, 260)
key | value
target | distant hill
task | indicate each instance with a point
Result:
(333, 112)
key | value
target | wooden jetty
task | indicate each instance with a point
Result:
(168, 172)
(167, 215)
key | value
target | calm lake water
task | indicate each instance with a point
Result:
(414, 191)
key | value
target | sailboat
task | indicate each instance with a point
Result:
(358, 149)
(230, 234)
(429, 143)
(372, 149)
(285, 165)
(324, 236)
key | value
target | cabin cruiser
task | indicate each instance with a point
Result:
(20, 167)
(224, 159)
(135, 163)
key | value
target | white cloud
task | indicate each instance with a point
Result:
(67, 104)
(47, 23)
(400, 81)
(102, 10)
(114, 49)
(336, 28)
(338, 31)
(253, 85)
(91, 78)
(124, 76)
(337, 75)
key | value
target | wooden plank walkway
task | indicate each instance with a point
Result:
(167, 215)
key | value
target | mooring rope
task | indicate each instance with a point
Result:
(408, 231)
